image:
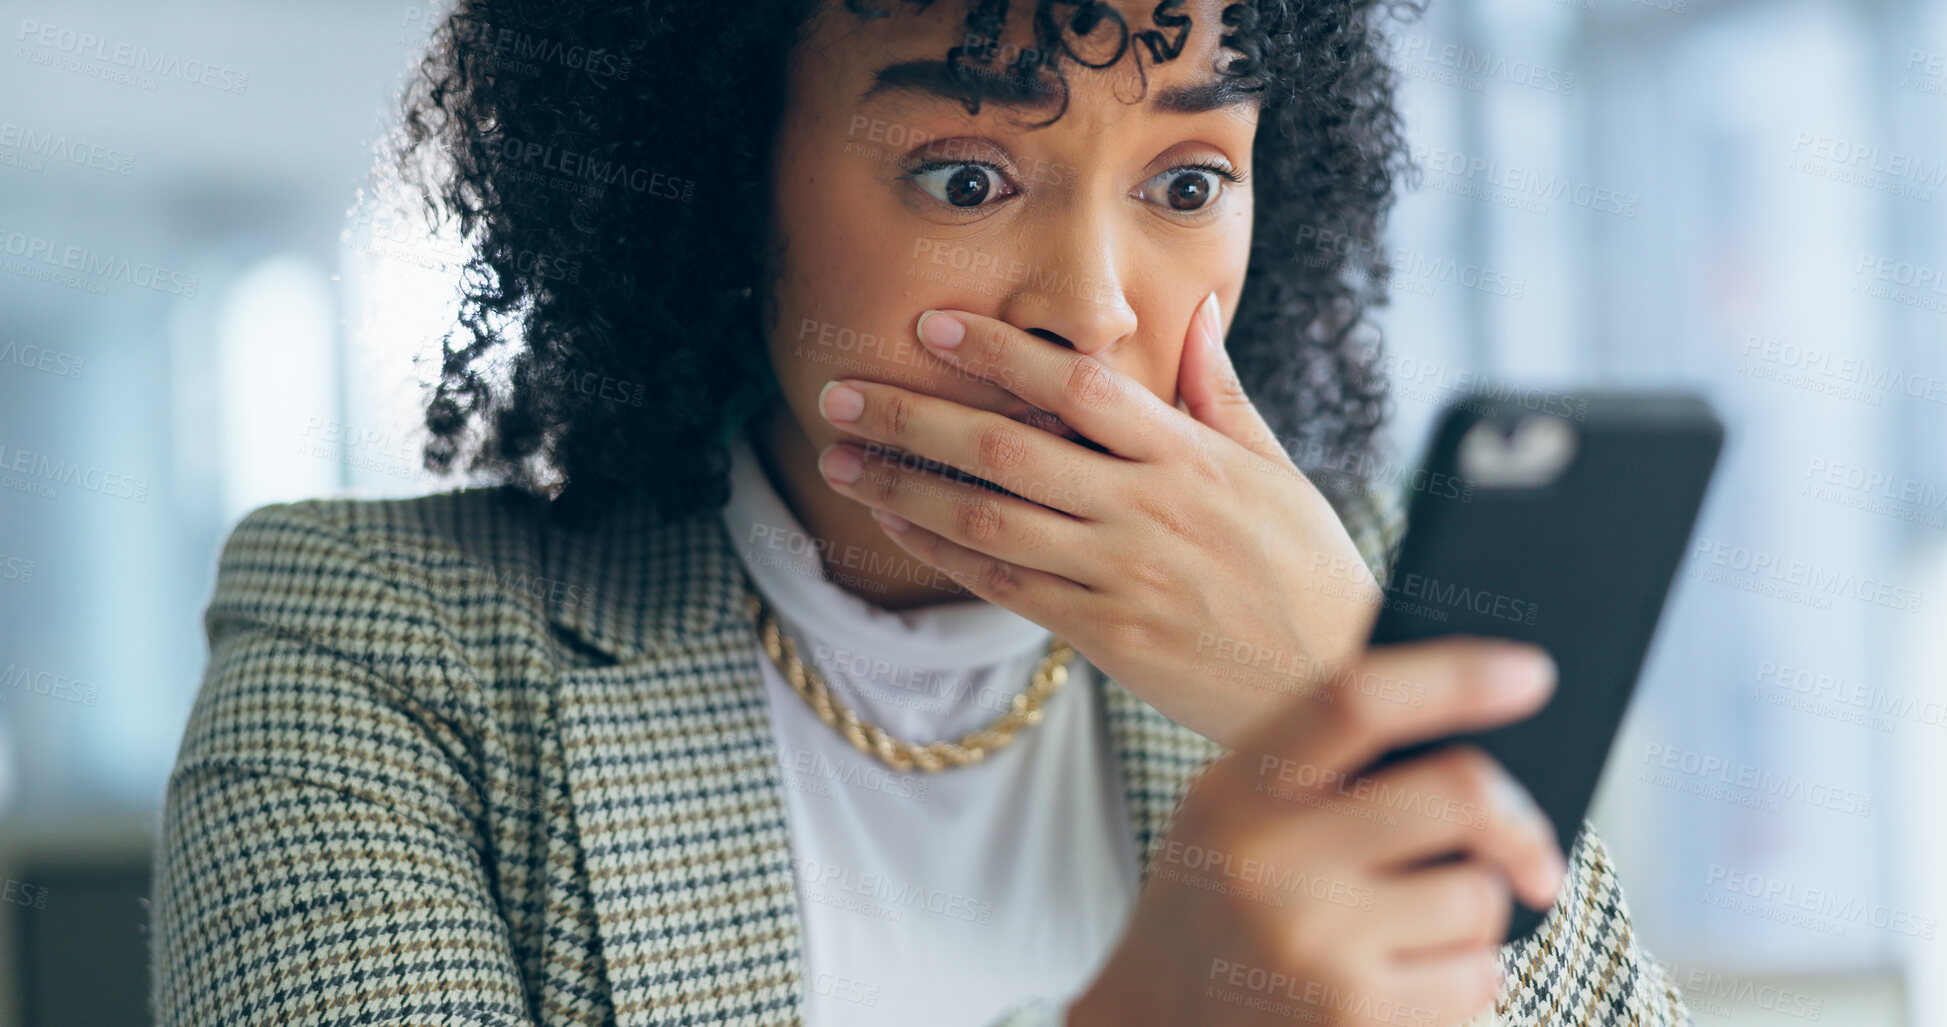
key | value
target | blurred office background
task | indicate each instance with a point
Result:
(1746, 197)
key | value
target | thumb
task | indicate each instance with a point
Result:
(1209, 390)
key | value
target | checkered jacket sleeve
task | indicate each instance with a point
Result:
(321, 859)
(1583, 965)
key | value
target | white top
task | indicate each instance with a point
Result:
(938, 898)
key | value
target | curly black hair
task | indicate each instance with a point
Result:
(569, 143)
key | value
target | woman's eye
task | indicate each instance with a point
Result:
(1184, 190)
(961, 185)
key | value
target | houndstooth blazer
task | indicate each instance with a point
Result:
(452, 765)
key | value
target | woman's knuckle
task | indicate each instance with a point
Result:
(1002, 447)
(896, 411)
(997, 579)
(1088, 384)
(987, 347)
(979, 519)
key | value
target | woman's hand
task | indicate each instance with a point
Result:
(1191, 561)
(1290, 889)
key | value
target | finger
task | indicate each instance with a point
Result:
(1040, 467)
(1211, 392)
(1046, 599)
(1400, 694)
(1004, 527)
(1455, 800)
(1448, 989)
(901, 362)
(1429, 912)
(1459, 800)
(1108, 407)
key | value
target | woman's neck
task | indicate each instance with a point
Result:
(858, 556)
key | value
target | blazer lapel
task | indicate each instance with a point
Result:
(674, 782)
(673, 775)
(1159, 758)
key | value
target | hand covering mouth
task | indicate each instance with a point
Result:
(1036, 417)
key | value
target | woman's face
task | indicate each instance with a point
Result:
(1101, 232)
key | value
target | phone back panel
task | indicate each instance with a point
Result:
(1580, 565)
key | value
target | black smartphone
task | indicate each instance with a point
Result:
(1565, 530)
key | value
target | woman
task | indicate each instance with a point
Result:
(868, 364)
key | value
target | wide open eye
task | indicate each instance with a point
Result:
(963, 184)
(1186, 190)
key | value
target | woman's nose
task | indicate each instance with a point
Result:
(1074, 300)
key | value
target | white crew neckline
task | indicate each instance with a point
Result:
(775, 548)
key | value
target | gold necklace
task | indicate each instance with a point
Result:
(972, 747)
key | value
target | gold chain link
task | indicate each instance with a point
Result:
(972, 747)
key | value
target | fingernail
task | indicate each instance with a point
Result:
(1213, 321)
(892, 521)
(841, 464)
(1523, 670)
(940, 331)
(840, 402)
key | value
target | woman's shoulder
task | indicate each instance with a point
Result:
(469, 571)
(338, 547)
(414, 583)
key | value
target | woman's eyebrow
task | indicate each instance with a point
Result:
(935, 80)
